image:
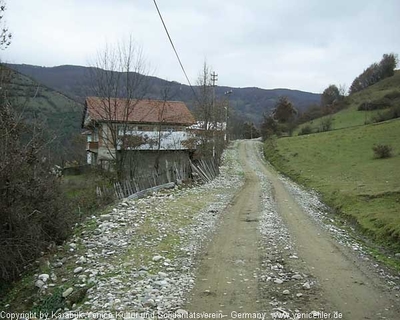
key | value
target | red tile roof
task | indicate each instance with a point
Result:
(141, 111)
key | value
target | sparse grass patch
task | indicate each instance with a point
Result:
(51, 303)
(81, 190)
(172, 215)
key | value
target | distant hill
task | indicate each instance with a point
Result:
(58, 115)
(249, 103)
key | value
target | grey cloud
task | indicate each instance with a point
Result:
(305, 45)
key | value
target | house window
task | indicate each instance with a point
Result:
(95, 136)
(145, 128)
(168, 128)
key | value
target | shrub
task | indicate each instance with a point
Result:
(305, 130)
(375, 105)
(392, 113)
(34, 213)
(326, 124)
(382, 151)
(392, 95)
(52, 303)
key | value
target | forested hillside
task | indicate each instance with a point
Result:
(57, 115)
(249, 103)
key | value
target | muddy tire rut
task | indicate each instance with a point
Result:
(226, 279)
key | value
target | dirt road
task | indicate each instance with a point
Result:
(270, 256)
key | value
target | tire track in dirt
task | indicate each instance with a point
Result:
(226, 279)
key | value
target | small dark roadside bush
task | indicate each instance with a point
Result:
(392, 95)
(378, 104)
(392, 113)
(305, 130)
(382, 151)
(326, 124)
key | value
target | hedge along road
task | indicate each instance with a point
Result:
(294, 266)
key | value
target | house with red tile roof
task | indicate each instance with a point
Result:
(142, 127)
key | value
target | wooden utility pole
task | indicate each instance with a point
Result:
(214, 79)
(227, 93)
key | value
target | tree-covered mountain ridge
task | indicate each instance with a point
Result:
(249, 103)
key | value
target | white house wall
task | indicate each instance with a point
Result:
(163, 140)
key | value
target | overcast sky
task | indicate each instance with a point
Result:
(296, 44)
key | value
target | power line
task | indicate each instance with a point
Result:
(173, 47)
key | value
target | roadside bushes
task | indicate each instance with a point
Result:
(392, 113)
(34, 213)
(392, 95)
(37, 208)
(375, 105)
(305, 130)
(390, 102)
(382, 151)
(326, 124)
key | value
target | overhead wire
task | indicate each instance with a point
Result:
(176, 52)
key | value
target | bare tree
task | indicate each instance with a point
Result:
(33, 211)
(5, 34)
(166, 95)
(211, 113)
(342, 90)
(118, 78)
(204, 105)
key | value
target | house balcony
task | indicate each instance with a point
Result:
(93, 146)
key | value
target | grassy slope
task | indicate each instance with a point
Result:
(340, 164)
(350, 116)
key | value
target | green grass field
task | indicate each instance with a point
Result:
(341, 165)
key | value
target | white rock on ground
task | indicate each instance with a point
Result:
(157, 258)
(39, 284)
(44, 277)
(78, 270)
(67, 292)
